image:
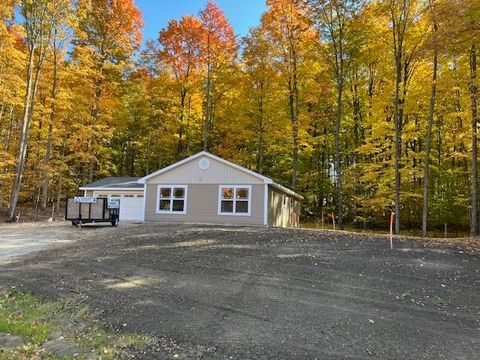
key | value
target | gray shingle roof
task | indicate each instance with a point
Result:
(115, 182)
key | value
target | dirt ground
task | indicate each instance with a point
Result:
(250, 293)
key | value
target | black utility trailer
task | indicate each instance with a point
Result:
(89, 210)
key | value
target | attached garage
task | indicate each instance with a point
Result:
(126, 189)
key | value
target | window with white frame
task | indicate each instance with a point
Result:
(172, 199)
(234, 200)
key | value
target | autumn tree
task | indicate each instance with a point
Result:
(106, 35)
(219, 49)
(38, 19)
(402, 15)
(288, 27)
(431, 112)
(334, 21)
(260, 88)
(181, 51)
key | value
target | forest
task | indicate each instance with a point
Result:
(363, 107)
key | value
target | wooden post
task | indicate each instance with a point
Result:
(322, 220)
(53, 210)
(392, 217)
(333, 221)
(446, 231)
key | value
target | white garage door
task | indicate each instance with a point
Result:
(131, 208)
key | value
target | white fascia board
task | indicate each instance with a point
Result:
(109, 188)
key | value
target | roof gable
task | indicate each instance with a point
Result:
(193, 173)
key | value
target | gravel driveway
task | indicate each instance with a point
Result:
(24, 238)
(246, 293)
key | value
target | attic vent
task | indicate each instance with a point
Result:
(204, 164)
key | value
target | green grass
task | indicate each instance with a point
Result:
(38, 320)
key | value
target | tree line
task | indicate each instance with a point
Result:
(364, 107)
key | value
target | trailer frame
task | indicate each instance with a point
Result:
(108, 214)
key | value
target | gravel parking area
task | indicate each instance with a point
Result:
(24, 238)
(249, 293)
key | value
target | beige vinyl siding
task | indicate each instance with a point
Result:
(282, 213)
(202, 205)
(217, 173)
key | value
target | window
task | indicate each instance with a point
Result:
(172, 199)
(234, 200)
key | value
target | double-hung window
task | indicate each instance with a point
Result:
(172, 199)
(234, 200)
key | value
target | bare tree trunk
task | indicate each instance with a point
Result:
(338, 160)
(431, 114)
(208, 99)
(148, 151)
(60, 174)
(38, 35)
(261, 129)
(474, 101)
(24, 134)
(398, 140)
(180, 146)
(46, 176)
(6, 148)
(294, 110)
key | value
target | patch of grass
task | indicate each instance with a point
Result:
(438, 301)
(406, 295)
(37, 320)
(25, 315)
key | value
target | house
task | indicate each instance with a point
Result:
(206, 189)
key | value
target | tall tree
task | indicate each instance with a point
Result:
(334, 21)
(219, 48)
(431, 114)
(288, 26)
(38, 24)
(260, 89)
(62, 10)
(402, 15)
(181, 52)
(106, 36)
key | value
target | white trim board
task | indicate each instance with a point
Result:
(265, 205)
(110, 189)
